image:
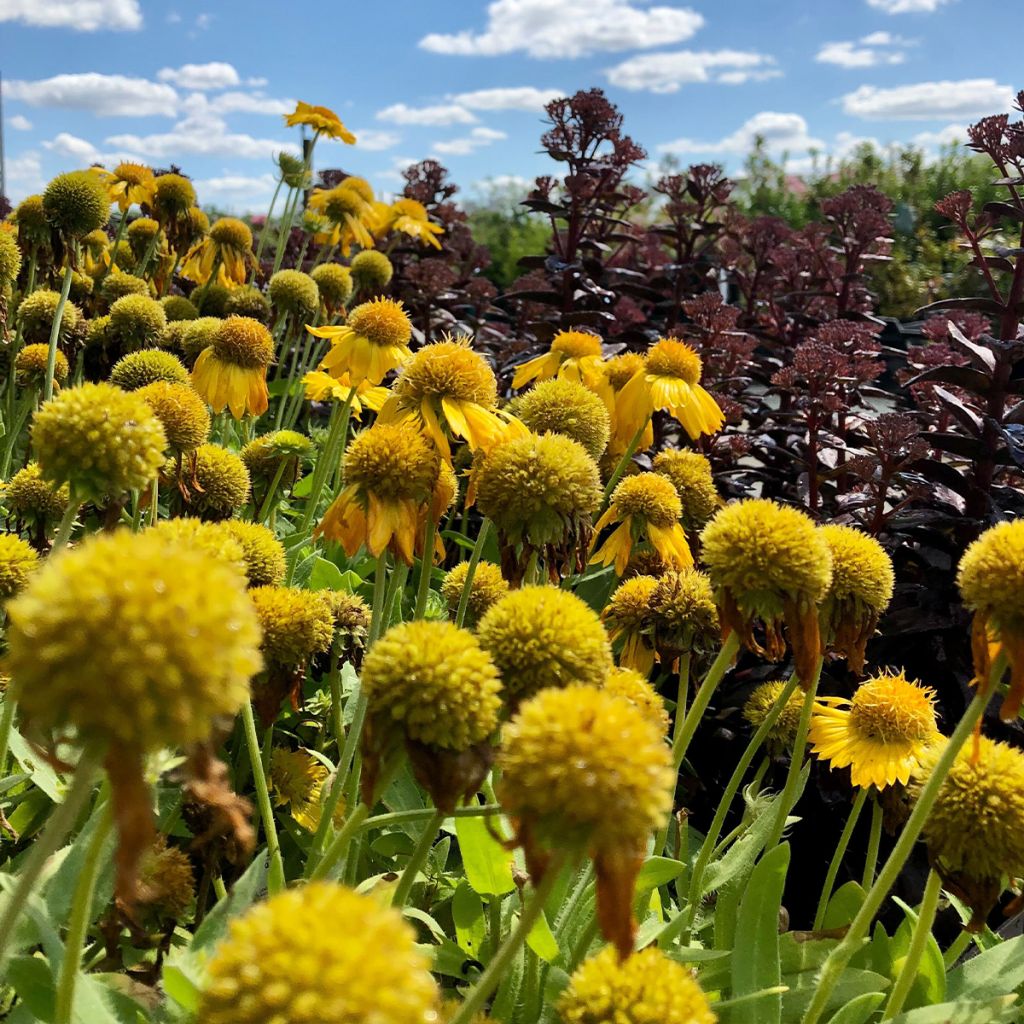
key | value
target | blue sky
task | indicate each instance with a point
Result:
(204, 84)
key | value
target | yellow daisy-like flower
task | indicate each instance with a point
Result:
(232, 371)
(321, 387)
(372, 343)
(671, 382)
(446, 390)
(297, 782)
(349, 211)
(322, 120)
(128, 184)
(647, 509)
(880, 734)
(412, 219)
(225, 254)
(573, 354)
(627, 618)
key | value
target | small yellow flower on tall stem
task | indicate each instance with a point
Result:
(226, 252)
(411, 218)
(232, 372)
(128, 184)
(627, 618)
(321, 387)
(573, 354)
(322, 120)
(349, 211)
(372, 343)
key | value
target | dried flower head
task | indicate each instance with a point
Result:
(36, 314)
(177, 307)
(10, 259)
(683, 616)
(335, 284)
(220, 483)
(249, 302)
(27, 496)
(690, 473)
(263, 554)
(30, 367)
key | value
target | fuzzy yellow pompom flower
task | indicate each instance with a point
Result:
(148, 365)
(335, 284)
(647, 510)
(181, 411)
(371, 271)
(75, 204)
(100, 440)
(433, 685)
(991, 580)
(759, 704)
(285, 960)
(208, 538)
(447, 391)
(390, 473)
(262, 553)
(488, 586)
(881, 734)
(296, 781)
(860, 591)
(322, 120)
(563, 406)
(30, 498)
(584, 771)
(18, 560)
(645, 988)
(975, 830)
(630, 685)
(322, 387)
(373, 341)
(542, 637)
(683, 616)
(137, 321)
(690, 473)
(573, 354)
(232, 372)
(30, 367)
(37, 312)
(411, 218)
(225, 255)
(10, 259)
(248, 301)
(129, 185)
(349, 211)
(627, 617)
(670, 381)
(768, 563)
(216, 482)
(292, 291)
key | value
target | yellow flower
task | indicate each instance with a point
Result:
(630, 685)
(372, 343)
(390, 473)
(782, 734)
(349, 212)
(182, 412)
(18, 560)
(232, 372)
(563, 406)
(690, 473)
(573, 354)
(647, 509)
(75, 204)
(322, 386)
(627, 617)
(446, 390)
(411, 218)
(296, 624)
(128, 184)
(880, 734)
(262, 553)
(371, 271)
(27, 496)
(335, 284)
(147, 366)
(670, 381)
(225, 252)
(322, 120)
(216, 482)
(487, 587)
(683, 616)
(297, 782)
(30, 367)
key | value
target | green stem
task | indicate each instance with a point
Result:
(425, 813)
(838, 959)
(837, 857)
(682, 693)
(154, 502)
(337, 431)
(721, 664)
(67, 524)
(339, 844)
(426, 564)
(118, 237)
(957, 948)
(419, 857)
(14, 424)
(285, 228)
(500, 962)
(874, 842)
(6, 724)
(627, 457)
(266, 226)
(275, 878)
(268, 501)
(78, 922)
(918, 941)
(58, 318)
(474, 560)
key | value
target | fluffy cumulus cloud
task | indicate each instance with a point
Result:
(25, 175)
(215, 75)
(372, 139)
(477, 138)
(569, 28)
(20, 123)
(95, 93)
(780, 133)
(952, 134)
(80, 15)
(907, 6)
(237, 193)
(523, 97)
(668, 72)
(199, 105)
(929, 101)
(441, 114)
(867, 52)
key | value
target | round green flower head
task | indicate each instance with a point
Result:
(223, 483)
(30, 366)
(177, 307)
(214, 300)
(564, 406)
(185, 418)
(335, 284)
(18, 560)
(173, 196)
(646, 988)
(435, 682)
(137, 369)
(199, 334)
(296, 624)
(173, 337)
(117, 284)
(683, 616)
(28, 496)
(782, 733)
(541, 637)
(100, 440)
(33, 227)
(134, 641)
(630, 685)
(121, 256)
(141, 233)
(10, 259)
(292, 291)
(371, 271)
(690, 474)
(263, 553)
(487, 587)
(81, 287)
(36, 314)
(538, 490)
(264, 454)
(137, 321)
(76, 203)
(250, 302)
(209, 538)
(284, 961)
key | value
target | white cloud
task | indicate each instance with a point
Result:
(68, 145)
(927, 101)
(199, 105)
(103, 95)
(19, 123)
(394, 172)
(215, 75)
(442, 114)
(952, 133)
(907, 6)
(202, 135)
(667, 72)
(477, 138)
(524, 97)
(237, 192)
(374, 140)
(781, 133)
(81, 15)
(569, 28)
(24, 175)
(862, 55)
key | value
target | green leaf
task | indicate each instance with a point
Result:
(325, 575)
(843, 906)
(468, 916)
(929, 986)
(181, 988)
(42, 774)
(657, 871)
(303, 487)
(60, 890)
(993, 973)
(450, 960)
(250, 887)
(542, 941)
(858, 1009)
(964, 1011)
(33, 979)
(487, 863)
(755, 962)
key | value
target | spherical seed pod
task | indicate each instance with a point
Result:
(141, 234)
(371, 271)
(166, 883)
(97, 332)
(335, 284)
(137, 321)
(488, 586)
(76, 203)
(630, 685)
(138, 685)
(101, 441)
(296, 624)
(137, 369)
(627, 616)
(173, 197)
(214, 300)
(177, 307)
(199, 334)
(690, 474)
(264, 454)
(683, 616)
(222, 483)
(542, 637)
(264, 555)
(28, 496)
(36, 314)
(210, 538)
(121, 257)
(351, 621)
(117, 284)
(10, 259)
(373, 971)
(563, 406)
(182, 412)
(173, 338)
(18, 561)
(30, 366)
(33, 227)
(248, 302)
(292, 291)
(758, 705)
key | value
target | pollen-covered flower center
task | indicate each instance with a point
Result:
(630, 605)
(382, 322)
(341, 202)
(650, 497)
(244, 342)
(133, 174)
(891, 709)
(623, 367)
(448, 369)
(231, 232)
(392, 461)
(576, 344)
(669, 358)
